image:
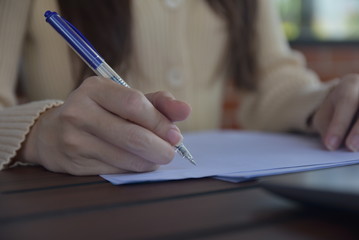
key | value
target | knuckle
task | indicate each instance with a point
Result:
(166, 94)
(73, 170)
(70, 144)
(347, 99)
(70, 114)
(168, 155)
(165, 155)
(160, 94)
(77, 170)
(90, 86)
(91, 83)
(142, 166)
(76, 165)
(156, 96)
(338, 125)
(138, 139)
(159, 125)
(134, 101)
(142, 143)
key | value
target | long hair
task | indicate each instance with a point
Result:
(97, 17)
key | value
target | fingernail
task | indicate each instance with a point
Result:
(354, 143)
(174, 136)
(333, 143)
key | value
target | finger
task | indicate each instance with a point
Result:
(322, 118)
(84, 166)
(70, 161)
(92, 118)
(344, 112)
(110, 155)
(131, 105)
(173, 109)
(122, 134)
(352, 140)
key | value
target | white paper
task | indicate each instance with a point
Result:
(239, 155)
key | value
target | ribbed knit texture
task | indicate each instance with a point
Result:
(15, 123)
(178, 46)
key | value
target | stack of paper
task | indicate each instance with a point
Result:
(240, 155)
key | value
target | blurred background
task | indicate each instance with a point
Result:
(325, 31)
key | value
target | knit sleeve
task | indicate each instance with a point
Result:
(15, 121)
(15, 124)
(288, 93)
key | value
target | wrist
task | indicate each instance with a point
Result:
(28, 150)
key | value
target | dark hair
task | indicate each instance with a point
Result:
(99, 16)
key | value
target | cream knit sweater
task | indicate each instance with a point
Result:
(178, 47)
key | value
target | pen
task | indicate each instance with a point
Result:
(89, 55)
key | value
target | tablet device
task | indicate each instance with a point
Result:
(333, 188)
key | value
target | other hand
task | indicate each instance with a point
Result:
(336, 119)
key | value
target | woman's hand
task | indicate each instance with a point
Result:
(104, 128)
(336, 119)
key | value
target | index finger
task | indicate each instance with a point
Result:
(132, 105)
(341, 122)
(352, 140)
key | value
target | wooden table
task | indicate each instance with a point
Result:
(37, 204)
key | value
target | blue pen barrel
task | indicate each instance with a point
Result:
(74, 39)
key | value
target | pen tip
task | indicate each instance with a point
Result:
(193, 162)
(183, 151)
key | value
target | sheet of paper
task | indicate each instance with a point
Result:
(239, 155)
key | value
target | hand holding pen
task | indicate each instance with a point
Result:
(104, 127)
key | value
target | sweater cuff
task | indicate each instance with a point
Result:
(15, 124)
